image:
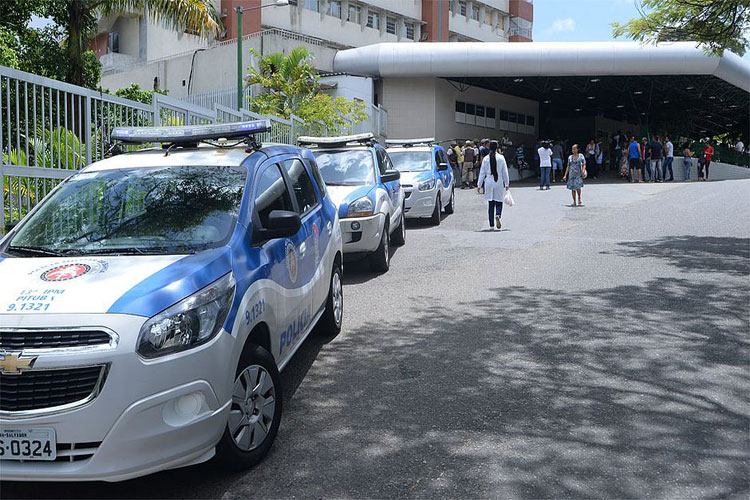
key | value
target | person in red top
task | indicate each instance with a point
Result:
(708, 153)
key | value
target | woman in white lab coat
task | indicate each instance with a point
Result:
(493, 176)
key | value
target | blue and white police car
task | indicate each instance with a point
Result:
(149, 302)
(426, 176)
(367, 190)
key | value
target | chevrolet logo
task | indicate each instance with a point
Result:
(14, 364)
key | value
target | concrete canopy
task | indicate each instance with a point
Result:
(446, 60)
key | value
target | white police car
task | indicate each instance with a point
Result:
(149, 302)
(367, 190)
(426, 177)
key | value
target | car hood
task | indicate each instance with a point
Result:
(342, 196)
(415, 178)
(141, 285)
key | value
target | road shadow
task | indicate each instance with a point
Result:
(694, 253)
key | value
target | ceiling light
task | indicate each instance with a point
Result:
(734, 106)
(666, 101)
(709, 116)
(689, 88)
(638, 92)
(644, 114)
(579, 109)
(591, 97)
(594, 80)
(547, 101)
(712, 97)
(728, 125)
(620, 106)
(556, 89)
(518, 80)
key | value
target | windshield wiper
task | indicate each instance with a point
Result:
(47, 252)
(122, 251)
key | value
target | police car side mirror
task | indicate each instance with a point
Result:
(443, 167)
(390, 176)
(280, 224)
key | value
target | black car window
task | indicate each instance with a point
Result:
(302, 185)
(318, 178)
(271, 194)
(382, 166)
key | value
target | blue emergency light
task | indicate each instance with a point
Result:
(189, 134)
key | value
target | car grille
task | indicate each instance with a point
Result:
(41, 389)
(51, 339)
(75, 452)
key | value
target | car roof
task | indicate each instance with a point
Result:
(417, 149)
(203, 155)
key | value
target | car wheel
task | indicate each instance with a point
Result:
(435, 219)
(333, 316)
(381, 259)
(255, 412)
(399, 235)
(451, 206)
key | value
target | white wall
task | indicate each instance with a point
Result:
(411, 107)
(351, 87)
(164, 42)
(447, 128)
(129, 32)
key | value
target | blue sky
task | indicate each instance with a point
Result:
(581, 20)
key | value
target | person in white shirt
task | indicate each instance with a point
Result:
(668, 159)
(493, 177)
(545, 163)
(740, 146)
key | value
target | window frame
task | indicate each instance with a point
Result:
(290, 186)
(463, 8)
(375, 18)
(357, 10)
(391, 20)
(271, 163)
(340, 7)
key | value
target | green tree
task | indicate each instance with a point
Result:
(79, 19)
(292, 87)
(718, 25)
(9, 48)
(134, 92)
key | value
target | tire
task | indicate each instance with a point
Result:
(435, 218)
(243, 443)
(380, 261)
(330, 323)
(451, 206)
(399, 235)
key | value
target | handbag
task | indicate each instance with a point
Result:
(508, 198)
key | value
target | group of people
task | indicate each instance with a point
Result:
(649, 161)
(466, 161)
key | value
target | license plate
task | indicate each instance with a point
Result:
(28, 444)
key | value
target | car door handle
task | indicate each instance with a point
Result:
(302, 249)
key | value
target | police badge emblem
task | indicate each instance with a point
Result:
(291, 261)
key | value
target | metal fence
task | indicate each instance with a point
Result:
(50, 129)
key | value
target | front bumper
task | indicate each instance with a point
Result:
(133, 427)
(420, 204)
(364, 236)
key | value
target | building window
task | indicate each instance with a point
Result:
(312, 5)
(462, 7)
(474, 114)
(479, 113)
(390, 25)
(373, 20)
(355, 14)
(520, 27)
(488, 17)
(460, 112)
(521, 119)
(475, 12)
(113, 43)
(409, 31)
(490, 120)
(530, 121)
(335, 9)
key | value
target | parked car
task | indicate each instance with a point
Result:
(149, 302)
(366, 188)
(426, 177)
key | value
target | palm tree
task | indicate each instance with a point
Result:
(196, 16)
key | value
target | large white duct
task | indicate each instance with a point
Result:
(499, 59)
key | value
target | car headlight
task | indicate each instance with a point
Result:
(426, 185)
(191, 322)
(361, 207)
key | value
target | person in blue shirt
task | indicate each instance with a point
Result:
(635, 166)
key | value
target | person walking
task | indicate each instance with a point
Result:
(617, 144)
(493, 177)
(668, 160)
(646, 160)
(687, 160)
(634, 161)
(574, 174)
(599, 159)
(468, 167)
(591, 157)
(557, 159)
(708, 154)
(545, 164)
(453, 159)
(657, 153)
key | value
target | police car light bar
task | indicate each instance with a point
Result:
(410, 142)
(189, 134)
(329, 141)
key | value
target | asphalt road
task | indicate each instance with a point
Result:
(591, 352)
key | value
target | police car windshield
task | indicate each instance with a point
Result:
(346, 167)
(136, 211)
(410, 161)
